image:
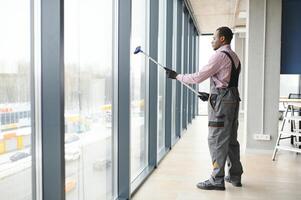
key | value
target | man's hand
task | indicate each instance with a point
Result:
(170, 73)
(203, 96)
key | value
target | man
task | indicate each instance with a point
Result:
(223, 70)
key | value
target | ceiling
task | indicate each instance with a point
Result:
(211, 14)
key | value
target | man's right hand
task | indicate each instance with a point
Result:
(203, 96)
(170, 73)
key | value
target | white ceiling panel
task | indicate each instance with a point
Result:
(211, 14)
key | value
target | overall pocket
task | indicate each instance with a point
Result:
(216, 117)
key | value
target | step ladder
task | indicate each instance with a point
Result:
(284, 134)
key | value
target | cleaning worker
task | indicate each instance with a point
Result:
(223, 70)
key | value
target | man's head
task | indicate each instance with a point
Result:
(222, 36)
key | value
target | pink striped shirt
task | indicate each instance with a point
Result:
(218, 67)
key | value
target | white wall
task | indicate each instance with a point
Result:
(263, 42)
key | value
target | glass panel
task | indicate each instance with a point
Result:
(139, 142)
(88, 99)
(183, 55)
(188, 66)
(289, 84)
(174, 64)
(161, 75)
(205, 52)
(15, 101)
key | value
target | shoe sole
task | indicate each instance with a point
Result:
(212, 188)
(237, 184)
(234, 184)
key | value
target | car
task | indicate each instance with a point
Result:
(19, 155)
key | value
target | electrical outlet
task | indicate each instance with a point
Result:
(262, 137)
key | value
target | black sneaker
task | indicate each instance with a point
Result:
(236, 183)
(207, 185)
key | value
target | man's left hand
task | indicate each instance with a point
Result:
(203, 96)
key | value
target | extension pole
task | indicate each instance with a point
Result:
(138, 50)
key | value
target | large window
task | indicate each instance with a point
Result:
(161, 76)
(15, 101)
(88, 99)
(205, 53)
(289, 84)
(138, 89)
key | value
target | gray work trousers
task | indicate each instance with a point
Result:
(223, 110)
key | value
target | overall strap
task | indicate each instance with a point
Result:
(234, 72)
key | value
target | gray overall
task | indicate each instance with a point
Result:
(223, 110)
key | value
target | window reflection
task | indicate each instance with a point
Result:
(174, 63)
(161, 75)
(289, 83)
(138, 89)
(205, 53)
(88, 99)
(289, 88)
(15, 100)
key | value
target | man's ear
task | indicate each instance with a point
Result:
(222, 39)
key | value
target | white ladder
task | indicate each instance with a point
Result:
(287, 134)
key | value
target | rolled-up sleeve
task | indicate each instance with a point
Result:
(213, 66)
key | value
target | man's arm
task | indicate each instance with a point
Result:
(207, 71)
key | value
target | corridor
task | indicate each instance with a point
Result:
(189, 162)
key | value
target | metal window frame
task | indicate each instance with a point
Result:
(147, 91)
(151, 97)
(184, 68)
(174, 67)
(179, 68)
(51, 73)
(123, 124)
(195, 98)
(153, 83)
(169, 59)
(191, 14)
(52, 99)
(167, 111)
(52, 96)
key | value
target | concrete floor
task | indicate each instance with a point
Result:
(189, 162)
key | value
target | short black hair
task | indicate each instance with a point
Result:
(226, 32)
